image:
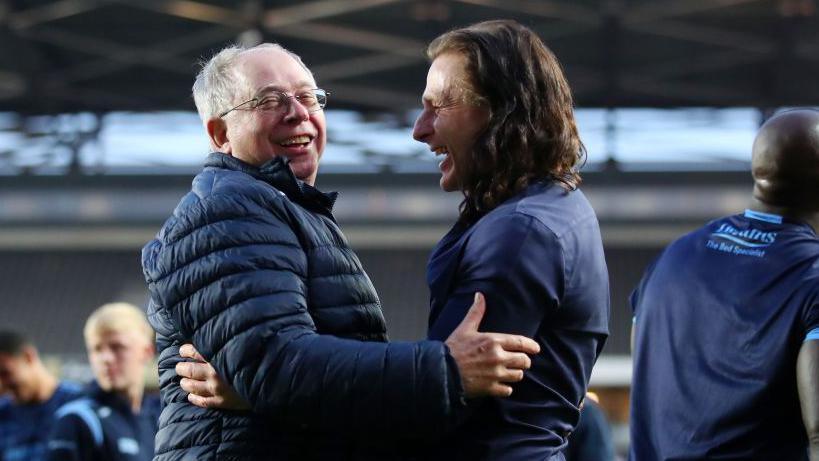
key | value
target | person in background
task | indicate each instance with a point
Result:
(726, 362)
(114, 420)
(591, 439)
(29, 397)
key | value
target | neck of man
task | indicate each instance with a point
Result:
(809, 217)
(46, 386)
(133, 396)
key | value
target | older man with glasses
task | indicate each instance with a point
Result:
(252, 269)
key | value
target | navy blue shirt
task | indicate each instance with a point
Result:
(101, 426)
(24, 428)
(538, 259)
(720, 319)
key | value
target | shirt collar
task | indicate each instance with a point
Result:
(278, 174)
(760, 216)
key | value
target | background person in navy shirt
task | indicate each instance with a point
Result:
(726, 320)
(29, 397)
(499, 110)
(114, 421)
(591, 439)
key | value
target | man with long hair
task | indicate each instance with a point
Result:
(499, 111)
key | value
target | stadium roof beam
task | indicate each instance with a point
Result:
(155, 54)
(194, 11)
(155, 57)
(321, 9)
(674, 68)
(247, 17)
(544, 9)
(683, 91)
(706, 35)
(352, 67)
(657, 10)
(12, 85)
(25, 19)
(355, 38)
(373, 97)
(94, 99)
(57, 47)
(808, 51)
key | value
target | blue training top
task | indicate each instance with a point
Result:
(24, 428)
(720, 319)
(101, 426)
(538, 259)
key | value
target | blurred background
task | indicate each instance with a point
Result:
(99, 138)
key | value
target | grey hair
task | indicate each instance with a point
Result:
(215, 89)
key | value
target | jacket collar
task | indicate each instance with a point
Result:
(278, 174)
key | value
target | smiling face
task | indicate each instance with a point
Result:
(451, 121)
(256, 136)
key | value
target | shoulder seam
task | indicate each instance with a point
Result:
(83, 409)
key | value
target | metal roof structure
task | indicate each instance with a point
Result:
(140, 55)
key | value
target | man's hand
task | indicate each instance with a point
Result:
(206, 389)
(488, 360)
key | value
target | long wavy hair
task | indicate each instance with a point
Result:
(531, 134)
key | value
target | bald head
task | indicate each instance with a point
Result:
(785, 161)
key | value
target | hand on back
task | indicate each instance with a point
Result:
(488, 362)
(205, 388)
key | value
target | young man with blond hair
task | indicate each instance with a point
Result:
(114, 421)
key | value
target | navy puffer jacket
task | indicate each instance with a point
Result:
(252, 269)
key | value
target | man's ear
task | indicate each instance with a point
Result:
(30, 355)
(217, 132)
(149, 351)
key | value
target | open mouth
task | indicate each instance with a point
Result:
(440, 150)
(446, 163)
(301, 140)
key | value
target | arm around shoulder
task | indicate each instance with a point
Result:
(236, 287)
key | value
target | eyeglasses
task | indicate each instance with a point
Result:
(313, 99)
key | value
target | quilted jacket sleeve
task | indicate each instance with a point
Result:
(228, 271)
